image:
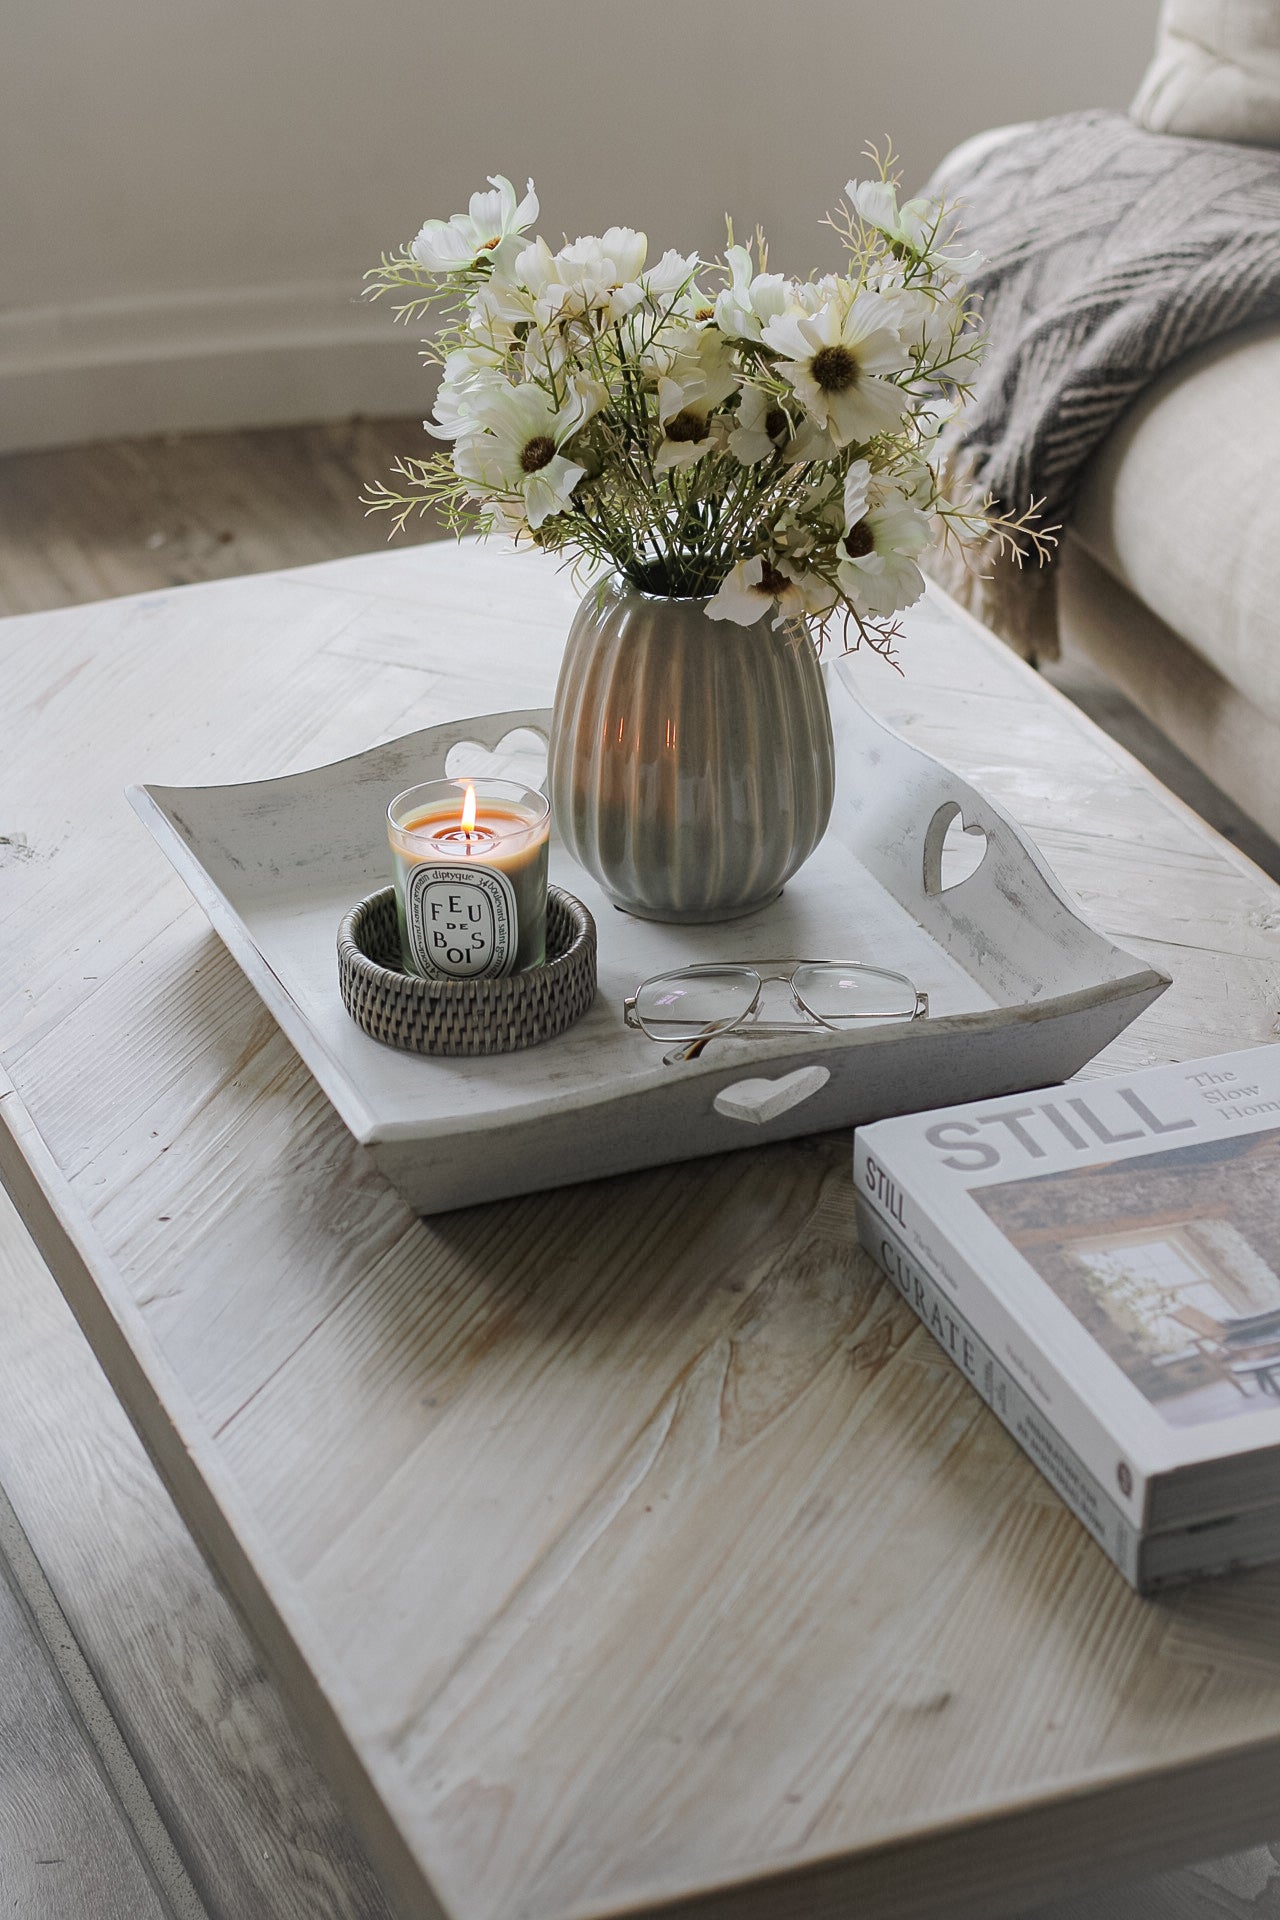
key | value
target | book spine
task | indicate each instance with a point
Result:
(1045, 1447)
(1062, 1409)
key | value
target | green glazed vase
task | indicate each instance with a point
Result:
(691, 767)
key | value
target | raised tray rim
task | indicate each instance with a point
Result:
(157, 807)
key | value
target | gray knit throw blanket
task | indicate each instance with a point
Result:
(1109, 254)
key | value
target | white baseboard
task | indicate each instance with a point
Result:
(239, 357)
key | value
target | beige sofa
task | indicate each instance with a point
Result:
(1170, 571)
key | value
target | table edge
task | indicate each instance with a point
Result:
(1162, 1817)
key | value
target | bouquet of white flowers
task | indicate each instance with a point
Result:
(713, 431)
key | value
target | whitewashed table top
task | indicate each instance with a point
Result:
(628, 1547)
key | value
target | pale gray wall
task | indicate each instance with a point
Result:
(193, 186)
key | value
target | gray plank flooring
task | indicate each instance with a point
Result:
(128, 516)
(67, 1851)
(257, 1830)
(253, 1826)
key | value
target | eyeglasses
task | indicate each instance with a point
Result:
(695, 1005)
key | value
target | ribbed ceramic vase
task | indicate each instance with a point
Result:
(691, 765)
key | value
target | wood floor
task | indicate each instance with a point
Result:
(148, 1770)
(68, 1840)
(131, 515)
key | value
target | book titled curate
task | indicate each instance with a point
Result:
(1102, 1260)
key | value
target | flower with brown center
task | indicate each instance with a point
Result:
(835, 369)
(537, 453)
(690, 424)
(515, 447)
(750, 588)
(840, 361)
(884, 535)
(763, 427)
(491, 226)
(695, 384)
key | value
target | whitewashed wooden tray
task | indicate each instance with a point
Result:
(1022, 991)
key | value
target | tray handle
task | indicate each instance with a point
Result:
(759, 1101)
(491, 731)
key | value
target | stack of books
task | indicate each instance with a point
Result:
(1102, 1260)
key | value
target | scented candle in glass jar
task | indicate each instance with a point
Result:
(471, 877)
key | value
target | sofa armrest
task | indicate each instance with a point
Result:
(1182, 506)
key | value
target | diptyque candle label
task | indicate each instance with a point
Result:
(462, 921)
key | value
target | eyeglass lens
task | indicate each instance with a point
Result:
(680, 1006)
(838, 993)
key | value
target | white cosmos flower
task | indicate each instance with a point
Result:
(809, 296)
(751, 588)
(593, 275)
(534, 288)
(933, 320)
(679, 346)
(857, 492)
(835, 358)
(919, 226)
(806, 594)
(792, 538)
(515, 448)
(884, 535)
(749, 300)
(664, 281)
(747, 592)
(705, 364)
(496, 309)
(698, 380)
(876, 202)
(763, 427)
(490, 224)
(690, 429)
(468, 375)
(506, 516)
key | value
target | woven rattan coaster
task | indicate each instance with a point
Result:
(465, 1016)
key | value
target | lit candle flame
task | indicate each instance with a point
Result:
(468, 808)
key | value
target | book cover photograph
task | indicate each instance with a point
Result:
(1169, 1262)
(1102, 1260)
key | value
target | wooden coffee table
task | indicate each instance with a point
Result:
(627, 1548)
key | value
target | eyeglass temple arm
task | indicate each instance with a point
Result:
(690, 1050)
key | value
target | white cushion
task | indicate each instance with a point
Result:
(1216, 73)
(1182, 505)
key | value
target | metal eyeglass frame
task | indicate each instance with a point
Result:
(766, 970)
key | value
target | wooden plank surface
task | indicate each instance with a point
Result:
(66, 1850)
(627, 1545)
(254, 1824)
(127, 516)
